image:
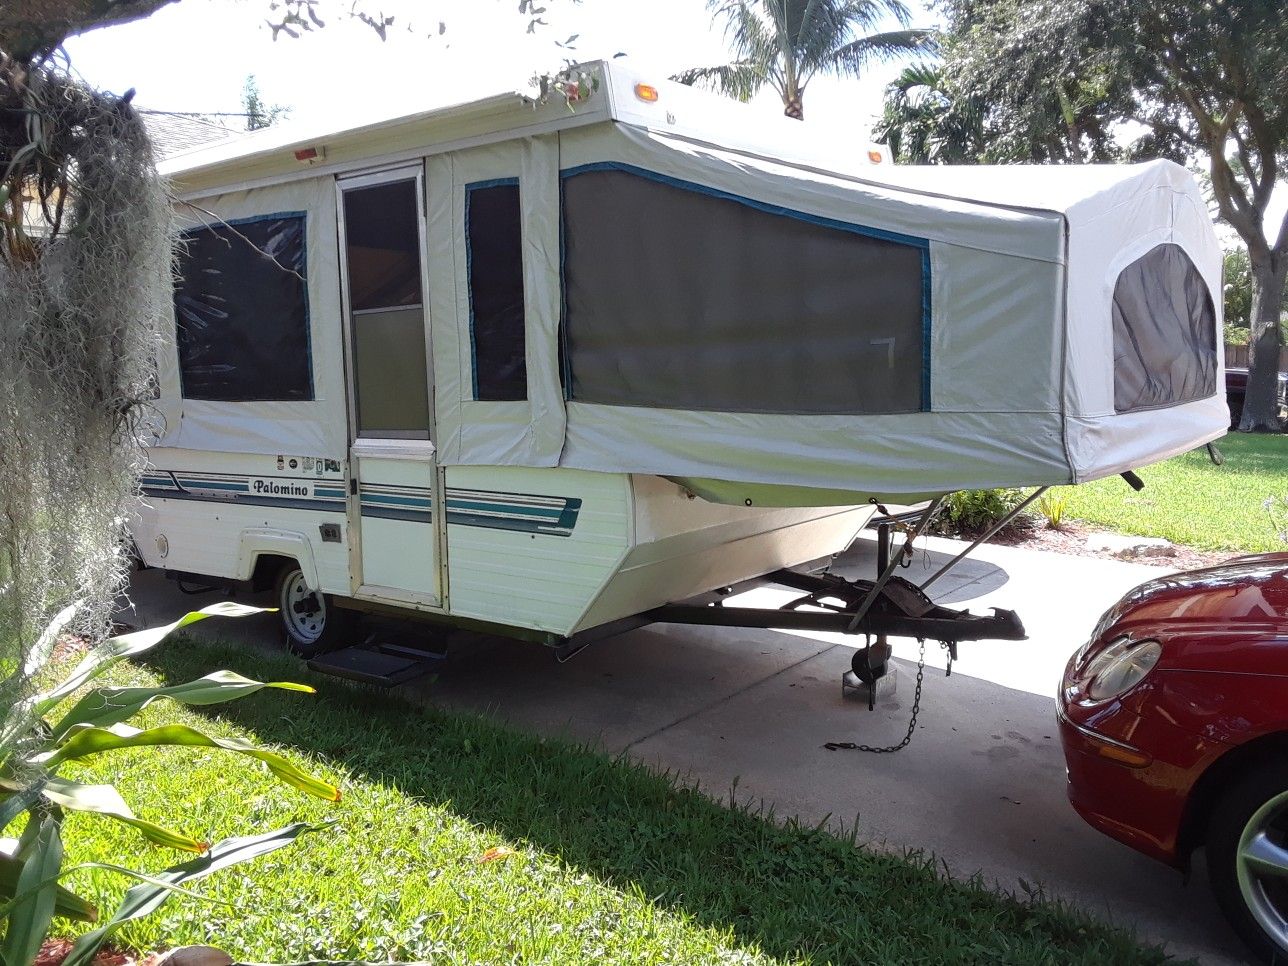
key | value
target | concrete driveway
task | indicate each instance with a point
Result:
(747, 712)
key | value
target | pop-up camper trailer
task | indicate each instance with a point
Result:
(551, 369)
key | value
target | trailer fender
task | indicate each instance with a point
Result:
(263, 541)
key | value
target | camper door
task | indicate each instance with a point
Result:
(395, 547)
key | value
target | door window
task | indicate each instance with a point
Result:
(390, 376)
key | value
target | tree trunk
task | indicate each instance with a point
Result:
(794, 101)
(1261, 403)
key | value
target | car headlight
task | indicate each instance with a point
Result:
(1101, 626)
(1120, 667)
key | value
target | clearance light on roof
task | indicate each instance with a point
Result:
(646, 92)
(310, 155)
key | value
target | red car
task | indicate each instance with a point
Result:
(1174, 720)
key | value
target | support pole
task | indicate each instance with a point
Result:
(988, 533)
(888, 570)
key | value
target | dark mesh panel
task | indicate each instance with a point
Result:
(1164, 332)
(495, 241)
(241, 310)
(678, 299)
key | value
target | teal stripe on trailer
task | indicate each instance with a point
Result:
(517, 509)
(214, 485)
(519, 512)
(411, 501)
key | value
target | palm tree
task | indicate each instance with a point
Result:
(785, 43)
(926, 122)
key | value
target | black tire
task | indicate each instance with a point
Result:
(1256, 904)
(311, 622)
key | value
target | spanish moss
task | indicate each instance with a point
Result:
(85, 281)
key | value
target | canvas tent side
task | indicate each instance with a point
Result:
(816, 336)
(820, 337)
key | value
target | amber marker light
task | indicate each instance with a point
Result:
(1124, 755)
(1115, 751)
(875, 157)
(646, 92)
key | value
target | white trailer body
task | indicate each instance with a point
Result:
(546, 367)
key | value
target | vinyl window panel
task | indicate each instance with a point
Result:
(242, 312)
(494, 259)
(1164, 332)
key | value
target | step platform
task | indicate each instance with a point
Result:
(379, 663)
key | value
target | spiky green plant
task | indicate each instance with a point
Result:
(1052, 505)
(74, 720)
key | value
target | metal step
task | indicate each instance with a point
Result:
(380, 663)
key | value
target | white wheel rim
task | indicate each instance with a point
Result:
(1261, 863)
(302, 609)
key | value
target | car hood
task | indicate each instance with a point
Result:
(1232, 617)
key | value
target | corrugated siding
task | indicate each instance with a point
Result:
(533, 579)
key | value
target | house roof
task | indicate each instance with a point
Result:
(174, 134)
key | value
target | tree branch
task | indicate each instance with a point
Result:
(38, 26)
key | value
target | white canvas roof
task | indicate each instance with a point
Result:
(1064, 324)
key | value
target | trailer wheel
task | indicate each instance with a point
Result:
(311, 623)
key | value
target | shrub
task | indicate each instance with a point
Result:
(968, 513)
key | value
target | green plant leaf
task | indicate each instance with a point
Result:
(128, 645)
(19, 799)
(66, 903)
(85, 741)
(28, 918)
(146, 897)
(21, 715)
(105, 800)
(108, 706)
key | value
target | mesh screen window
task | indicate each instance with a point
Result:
(241, 311)
(680, 297)
(1164, 332)
(494, 237)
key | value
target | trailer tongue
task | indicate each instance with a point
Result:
(900, 609)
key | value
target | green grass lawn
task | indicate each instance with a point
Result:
(613, 863)
(1189, 500)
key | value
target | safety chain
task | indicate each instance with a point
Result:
(912, 722)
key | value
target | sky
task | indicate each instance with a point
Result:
(195, 55)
